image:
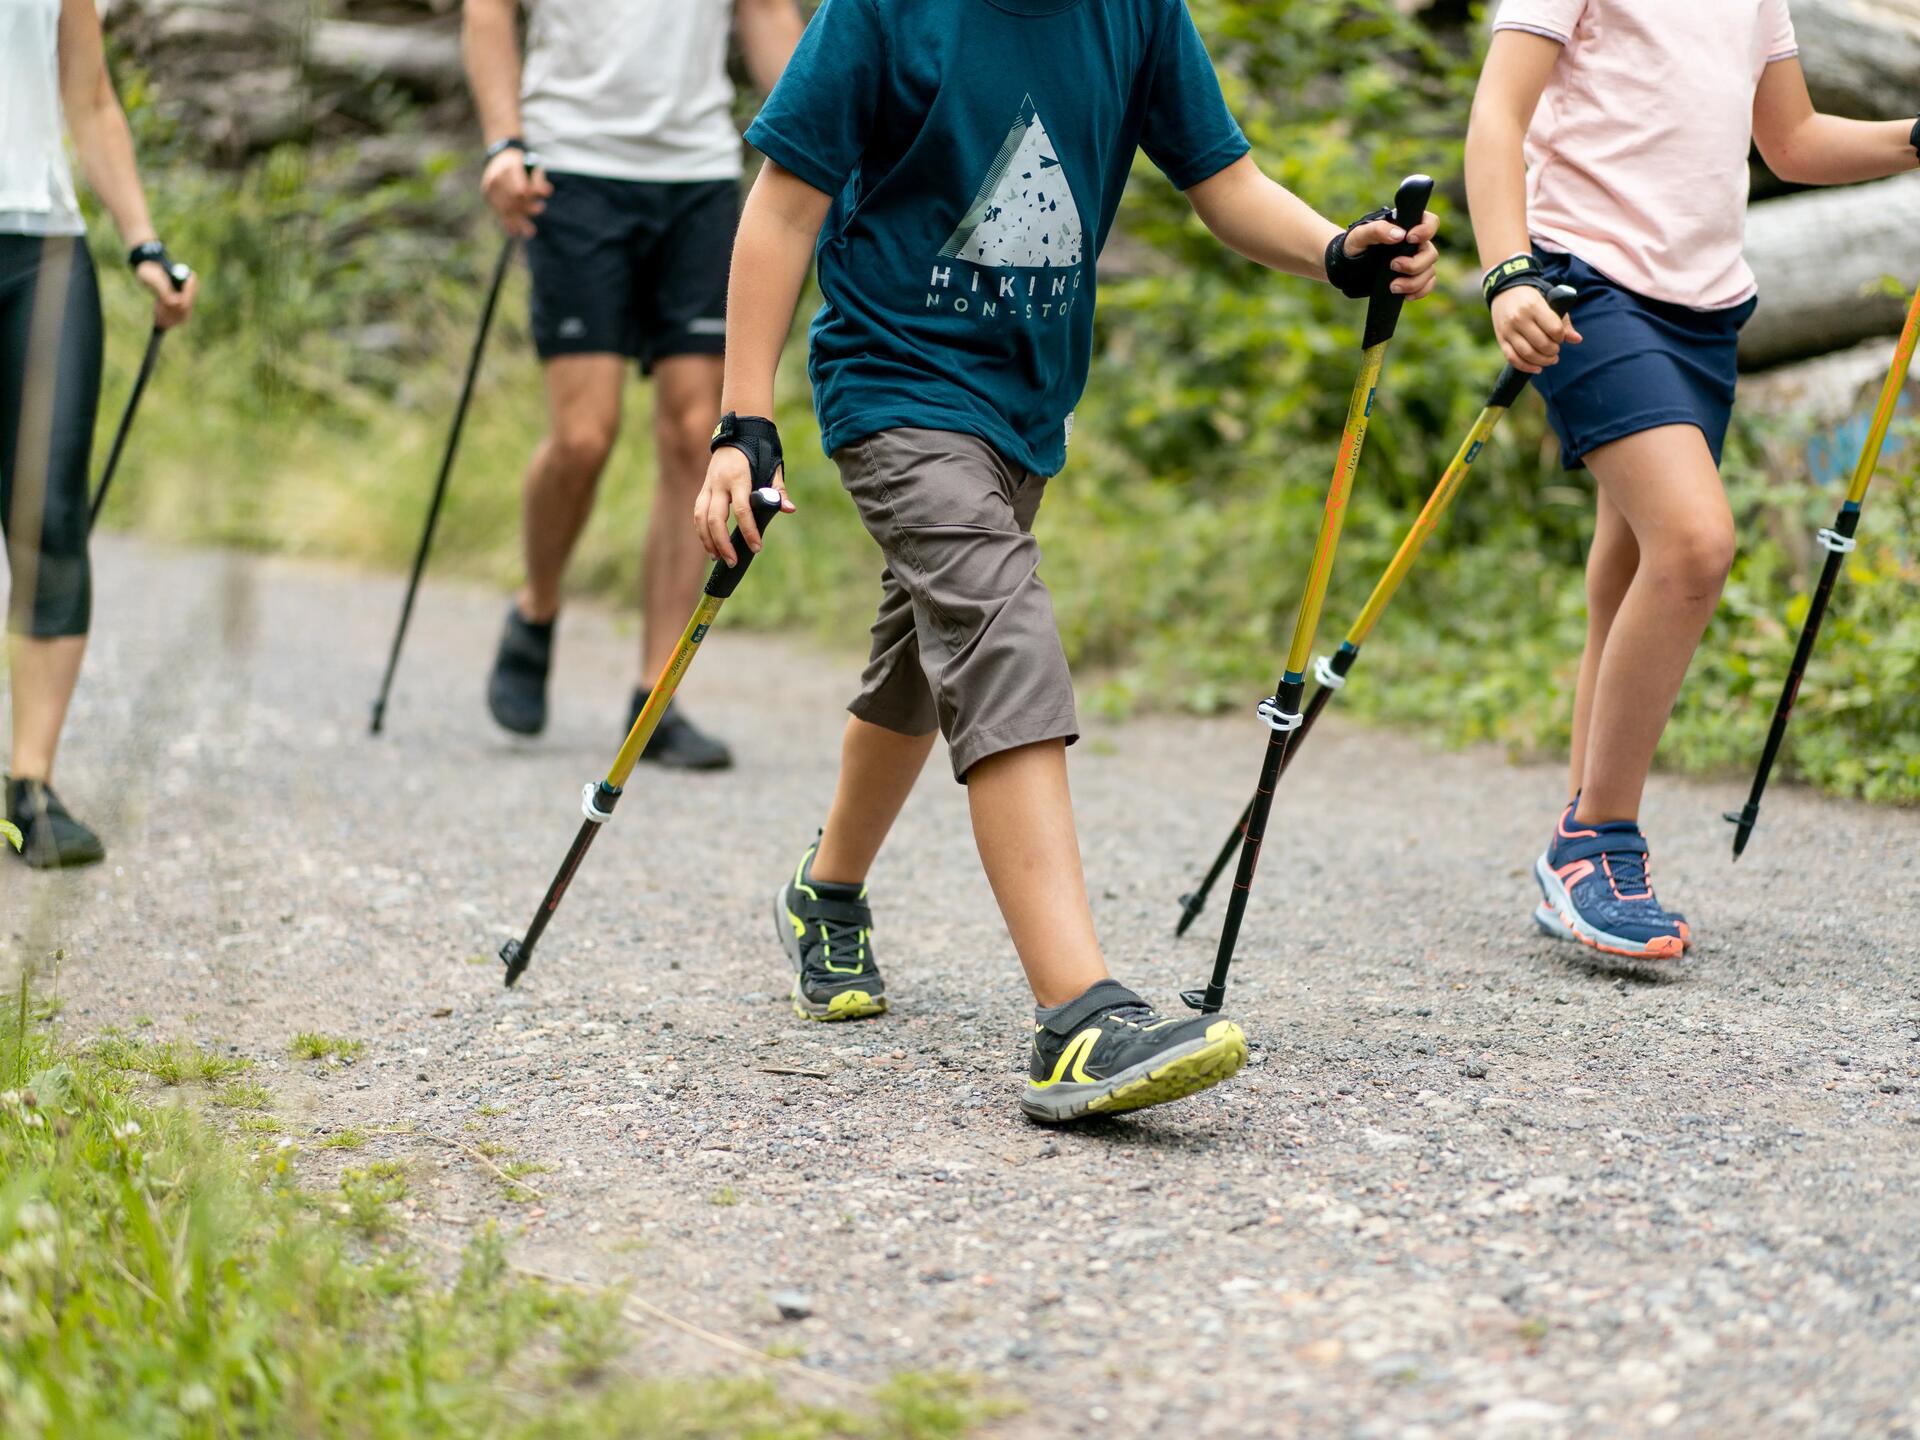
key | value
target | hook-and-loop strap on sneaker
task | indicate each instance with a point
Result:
(1109, 1051)
(1599, 891)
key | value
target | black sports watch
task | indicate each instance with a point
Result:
(1913, 137)
(500, 147)
(755, 437)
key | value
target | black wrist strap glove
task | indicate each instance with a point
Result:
(156, 251)
(1515, 270)
(152, 250)
(755, 437)
(1354, 276)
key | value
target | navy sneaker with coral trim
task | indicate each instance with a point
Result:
(1108, 1052)
(1597, 889)
(827, 932)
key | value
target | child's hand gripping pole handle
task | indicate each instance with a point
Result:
(1507, 389)
(765, 503)
(1383, 309)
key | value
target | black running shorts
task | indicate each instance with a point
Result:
(632, 267)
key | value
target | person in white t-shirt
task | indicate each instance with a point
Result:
(612, 152)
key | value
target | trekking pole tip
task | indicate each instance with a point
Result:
(515, 958)
(1189, 912)
(1742, 821)
(379, 718)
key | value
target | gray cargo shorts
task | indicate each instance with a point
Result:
(965, 639)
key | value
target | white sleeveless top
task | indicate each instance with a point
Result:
(36, 183)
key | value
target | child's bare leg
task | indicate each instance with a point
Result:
(1665, 485)
(1611, 562)
(1023, 825)
(878, 768)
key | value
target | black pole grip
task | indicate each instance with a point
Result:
(1507, 389)
(765, 504)
(1383, 309)
(179, 274)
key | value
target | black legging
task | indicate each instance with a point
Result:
(49, 393)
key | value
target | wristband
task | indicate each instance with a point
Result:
(1913, 138)
(1521, 269)
(152, 250)
(500, 147)
(755, 437)
(1354, 275)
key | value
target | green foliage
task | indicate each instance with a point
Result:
(334, 329)
(156, 1281)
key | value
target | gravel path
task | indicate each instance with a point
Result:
(1467, 1186)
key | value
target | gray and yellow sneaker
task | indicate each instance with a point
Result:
(1108, 1051)
(827, 931)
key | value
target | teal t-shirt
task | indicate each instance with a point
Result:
(977, 150)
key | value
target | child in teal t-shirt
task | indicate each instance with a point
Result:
(957, 164)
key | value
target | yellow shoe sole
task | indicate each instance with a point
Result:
(847, 1005)
(1220, 1059)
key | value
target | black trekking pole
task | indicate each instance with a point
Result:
(1838, 542)
(1331, 671)
(1280, 712)
(440, 484)
(597, 801)
(179, 274)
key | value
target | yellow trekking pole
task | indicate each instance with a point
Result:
(597, 801)
(1839, 543)
(1280, 712)
(1331, 671)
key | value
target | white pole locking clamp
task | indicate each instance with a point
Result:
(1324, 672)
(1274, 717)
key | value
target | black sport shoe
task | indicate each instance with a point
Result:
(677, 743)
(1108, 1051)
(517, 686)
(51, 839)
(827, 931)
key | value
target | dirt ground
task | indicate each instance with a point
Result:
(1467, 1187)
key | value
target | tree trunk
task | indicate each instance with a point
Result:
(1821, 258)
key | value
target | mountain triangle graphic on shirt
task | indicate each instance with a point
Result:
(1024, 214)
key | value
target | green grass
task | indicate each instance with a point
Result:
(243, 1095)
(348, 1139)
(515, 1170)
(310, 1045)
(171, 1062)
(725, 1195)
(161, 1281)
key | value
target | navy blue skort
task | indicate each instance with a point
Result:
(1641, 363)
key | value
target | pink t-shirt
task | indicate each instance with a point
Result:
(1637, 155)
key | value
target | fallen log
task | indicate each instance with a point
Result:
(1821, 258)
(1862, 57)
(425, 56)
